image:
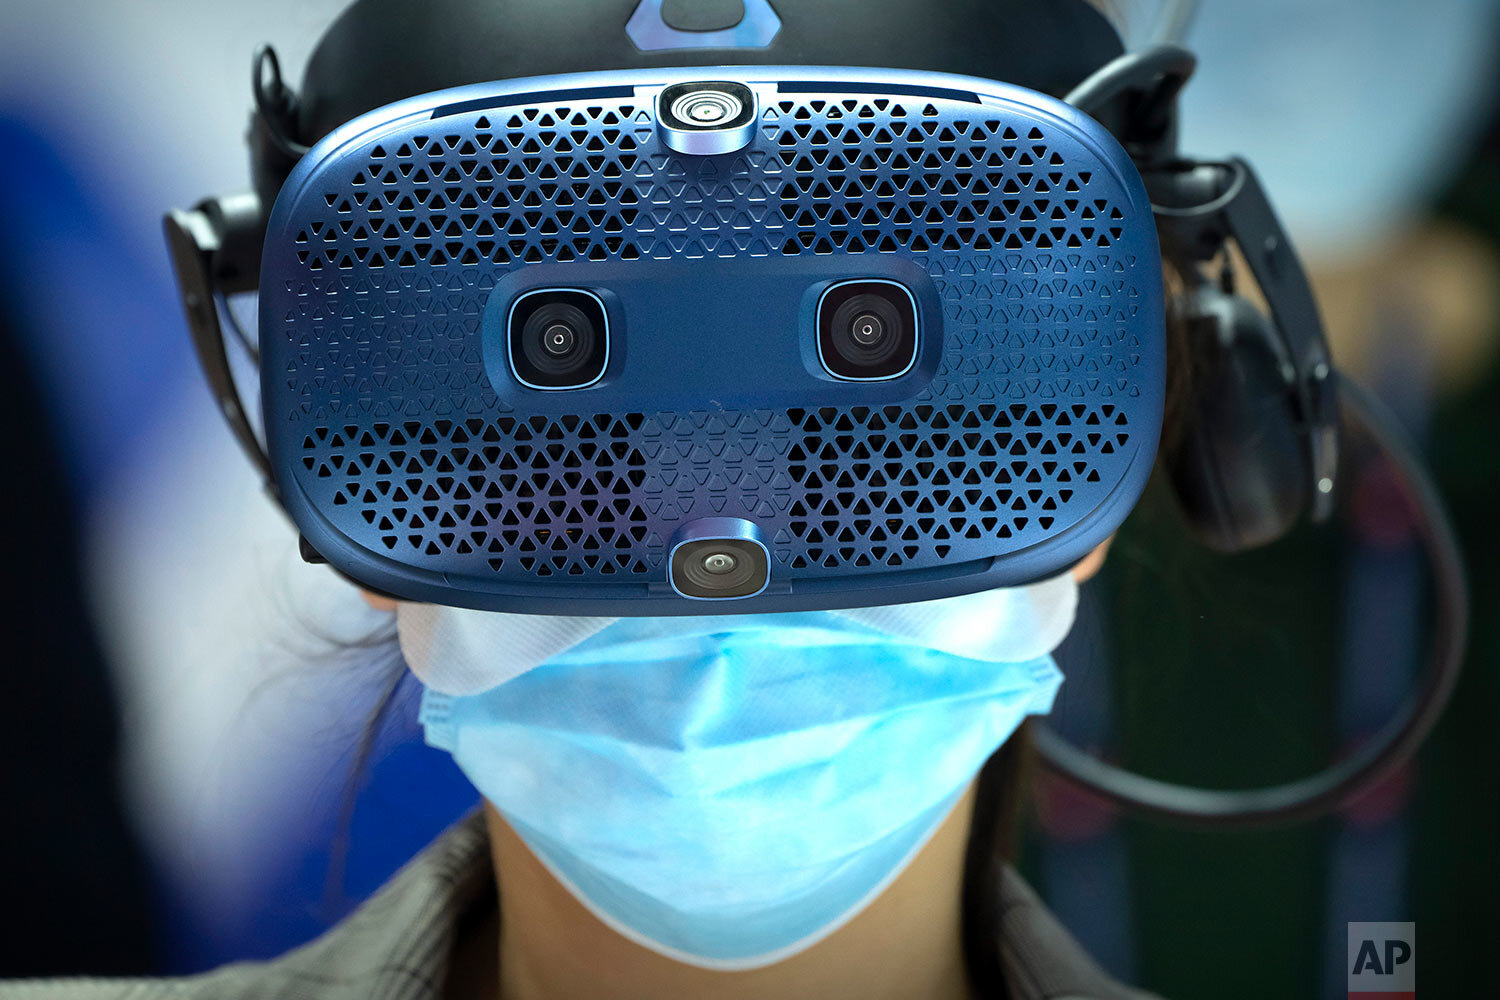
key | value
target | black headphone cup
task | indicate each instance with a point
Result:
(1239, 469)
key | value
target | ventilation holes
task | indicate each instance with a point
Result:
(588, 183)
(874, 176)
(550, 497)
(862, 486)
(886, 486)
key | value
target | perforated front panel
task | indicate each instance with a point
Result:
(380, 408)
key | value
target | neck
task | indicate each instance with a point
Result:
(904, 944)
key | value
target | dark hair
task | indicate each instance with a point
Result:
(335, 897)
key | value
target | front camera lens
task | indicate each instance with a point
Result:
(707, 107)
(706, 117)
(558, 338)
(867, 330)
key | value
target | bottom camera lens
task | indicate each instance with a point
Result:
(719, 568)
(867, 330)
(559, 338)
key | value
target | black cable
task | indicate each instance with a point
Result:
(1390, 747)
(249, 346)
(1167, 66)
(274, 101)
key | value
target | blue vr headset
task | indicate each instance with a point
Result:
(754, 337)
(736, 325)
(879, 337)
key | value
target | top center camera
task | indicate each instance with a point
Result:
(706, 118)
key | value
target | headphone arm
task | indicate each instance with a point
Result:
(1201, 207)
(215, 249)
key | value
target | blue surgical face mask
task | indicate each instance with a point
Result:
(729, 790)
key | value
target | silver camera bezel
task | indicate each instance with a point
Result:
(680, 135)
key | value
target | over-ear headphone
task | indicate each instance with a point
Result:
(1258, 445)
(1259, 441)
(1237, 463)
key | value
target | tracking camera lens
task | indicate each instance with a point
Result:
(719, 568)
(559, 338)
(867, 330)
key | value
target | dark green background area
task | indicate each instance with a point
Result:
(1223, 679)
(1456, 868)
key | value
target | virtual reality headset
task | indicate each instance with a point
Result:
(681, 339)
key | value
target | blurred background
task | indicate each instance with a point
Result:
(183, 765)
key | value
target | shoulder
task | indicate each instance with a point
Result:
(395, 945)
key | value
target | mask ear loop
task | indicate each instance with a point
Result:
(1373, 760)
